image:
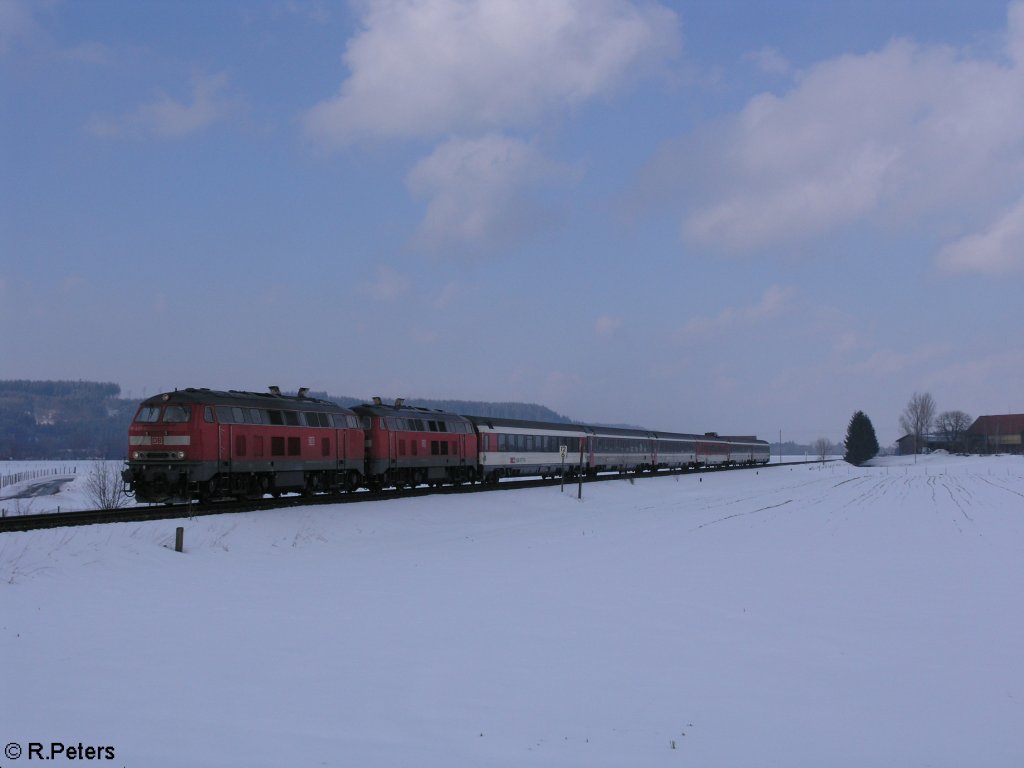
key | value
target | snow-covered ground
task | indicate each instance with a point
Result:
(808, 616)
(64, 487)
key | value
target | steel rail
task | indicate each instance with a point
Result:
(180, 511)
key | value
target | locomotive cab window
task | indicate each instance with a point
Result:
(149, 414)
(177, 414)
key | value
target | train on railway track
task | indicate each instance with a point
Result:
(206, 445)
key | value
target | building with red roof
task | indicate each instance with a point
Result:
(997, 434)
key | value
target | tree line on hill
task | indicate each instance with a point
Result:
(63, 420)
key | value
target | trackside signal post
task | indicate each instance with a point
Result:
(579, 492)
(563, 450)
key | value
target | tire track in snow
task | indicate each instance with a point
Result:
(956, 501)
(742, 514)
(1001, 487)
(877, 489)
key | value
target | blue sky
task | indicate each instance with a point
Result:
(732, 216)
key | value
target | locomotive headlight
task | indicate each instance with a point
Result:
(136, 455)
(180, 455)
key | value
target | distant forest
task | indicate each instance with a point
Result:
(88, 419)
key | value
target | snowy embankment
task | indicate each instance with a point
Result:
(53, 486)
(807, 616)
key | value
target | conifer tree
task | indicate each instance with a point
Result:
(861, 443)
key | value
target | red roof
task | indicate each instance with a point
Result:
(1009, 424)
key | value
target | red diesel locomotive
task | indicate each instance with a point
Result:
(198, 443)
(204, 444)
(408, 446)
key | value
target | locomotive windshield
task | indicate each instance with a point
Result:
(173, 414)
(149, 414)
(176, 414)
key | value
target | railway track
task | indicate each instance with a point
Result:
(179, 511)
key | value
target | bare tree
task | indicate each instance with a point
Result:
(822, 447)
(917, 418)
(952, 425)
(104, 487)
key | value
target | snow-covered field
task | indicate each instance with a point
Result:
(63, 487)
(813, 616)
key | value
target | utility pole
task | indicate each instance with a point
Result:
(579, 491)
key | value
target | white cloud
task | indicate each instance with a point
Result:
(978, 384)
(316, 11)
(888, 362)
(900, 137)
(428, 67)
(24, 31)
(425, 337)
(477, 193)
(769, 60)
(607, 325)
(18, 26)
(847, 342)
(167, 118)
(775, 300)
(88, 53)
(998, 249)
(388, 285)
(450, 294)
